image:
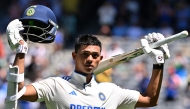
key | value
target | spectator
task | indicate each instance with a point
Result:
(106, 76)
(182, 16)
(134, 31)
(165, 29)
(172, 85)
(123, 72)
(115, 49)
(3, 62)
(105, 30)
(140, 70)
(3, 86)
(15, 10)
(181, 63)
(107, 13)
(132, 6)
(165, 12)
(119, 29)
(59, 40)
(144, 82)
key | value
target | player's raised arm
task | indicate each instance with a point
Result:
(159, 55)
(15, 76)
(37, 25)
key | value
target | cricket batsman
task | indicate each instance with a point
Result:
(79, 90)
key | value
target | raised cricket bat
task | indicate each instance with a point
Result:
(121, 58)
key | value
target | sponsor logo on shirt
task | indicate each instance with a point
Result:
(73, 93)
(78, 106)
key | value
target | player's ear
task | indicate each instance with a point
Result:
(74, 55)
(101, 57)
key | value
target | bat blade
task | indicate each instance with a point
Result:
(118, 59)
(121, 58)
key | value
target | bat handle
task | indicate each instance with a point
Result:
(169, 39)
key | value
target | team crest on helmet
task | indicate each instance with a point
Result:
(30, 12)
(102, 96)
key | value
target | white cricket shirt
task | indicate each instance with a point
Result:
(72, 92)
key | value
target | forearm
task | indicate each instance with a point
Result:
(19, 61)
(153, 89)
(30, 94)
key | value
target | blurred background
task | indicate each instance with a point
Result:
(119, 24)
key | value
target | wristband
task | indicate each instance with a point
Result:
(158, 66)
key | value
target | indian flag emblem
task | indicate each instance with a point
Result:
(30, 12)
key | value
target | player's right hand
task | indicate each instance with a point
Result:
(158, 55)
(14, 38)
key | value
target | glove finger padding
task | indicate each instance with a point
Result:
(145, 45)
(154, 37)
(13, 35)
(156, 55)
(164, 47)
(166, 51)
(150, 38)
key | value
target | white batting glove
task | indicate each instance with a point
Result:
(14, 37)
(158, 55)
(154, 37)
(22, 48)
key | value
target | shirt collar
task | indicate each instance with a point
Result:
(81, 78)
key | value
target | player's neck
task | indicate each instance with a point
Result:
(88, 76)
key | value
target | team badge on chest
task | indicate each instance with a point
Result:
(102, 96)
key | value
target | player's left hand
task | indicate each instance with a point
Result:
(160, 54)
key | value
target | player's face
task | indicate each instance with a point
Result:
(87, 58)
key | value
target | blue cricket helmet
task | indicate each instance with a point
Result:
(40, 24)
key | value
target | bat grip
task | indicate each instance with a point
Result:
(169, 39)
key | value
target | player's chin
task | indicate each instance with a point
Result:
(89, 66)
(89, 69)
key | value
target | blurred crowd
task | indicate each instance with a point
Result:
(119, 24)
(130, 19)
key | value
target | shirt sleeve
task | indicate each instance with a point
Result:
(127, 98)
(44, 89)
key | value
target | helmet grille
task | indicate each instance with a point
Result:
(37, 31)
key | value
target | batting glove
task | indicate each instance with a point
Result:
(14, 37)
(159, 55)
